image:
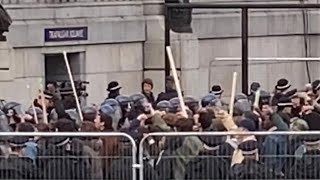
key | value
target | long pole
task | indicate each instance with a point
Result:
(176, 81)
(44, 107)
(233, 93)
(72, 84)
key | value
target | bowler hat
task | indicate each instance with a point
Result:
(113, 86)
(283, 84)
(216, 90)
(284, 101)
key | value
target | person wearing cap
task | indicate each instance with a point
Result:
(89, 113)
(113, 89)
(53, 103)
(254, 87)
(192, 104)
(247, 164)
(147, 86)
(21, 166)
(210, 163)
(210, 100)
(39, 115)
(165, 106)
(242, 103)
(31, 149)
(125, 103)
(170, 93)
(217, 90)
(48, 96)
(64, 149)
(284, 108)
(274, 147)
(282, 89)
(315, 88)
(309, 114)
(307, 166)
(315, 85)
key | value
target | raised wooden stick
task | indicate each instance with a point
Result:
(44, 108)
(176, 81)
(256, 99)
(72, 85)
(35, 117)
(233, 93)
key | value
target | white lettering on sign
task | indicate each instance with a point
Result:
(66, 34)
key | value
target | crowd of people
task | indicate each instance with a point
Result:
(241, 156)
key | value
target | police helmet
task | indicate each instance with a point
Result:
(164, 106)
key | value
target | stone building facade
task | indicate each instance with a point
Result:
(120, 40)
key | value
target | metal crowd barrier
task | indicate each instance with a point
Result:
(125, 166)
(189, 155)
(184, 158)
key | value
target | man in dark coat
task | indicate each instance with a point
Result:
(170, 93)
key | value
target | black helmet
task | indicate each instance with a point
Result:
(88, 109)
(38, 112)
(175, 102)
(164, 106)
(191, 103)
(89, 113)
(124, 100)
(240, 96)
(138, 99)
(37, 109)
(210, 100)
(107, 109)
(12, 108)
(111, 102)
(264, 97)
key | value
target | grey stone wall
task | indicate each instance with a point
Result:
(127, 36)
(274, 33)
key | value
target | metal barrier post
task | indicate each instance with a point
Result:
(245, 51)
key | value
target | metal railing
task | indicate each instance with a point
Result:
(287, 159)
(190, 151)
(97, 161)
